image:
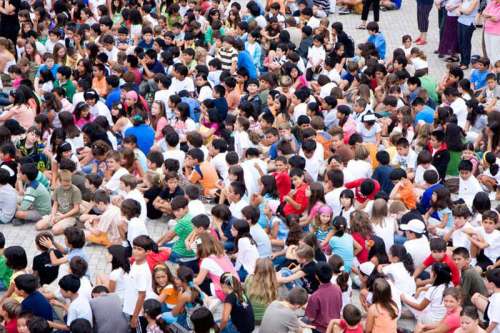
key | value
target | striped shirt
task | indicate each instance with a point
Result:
(227, 57)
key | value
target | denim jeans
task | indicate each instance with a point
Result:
(464, 42)
(184, 261)
(284, 272)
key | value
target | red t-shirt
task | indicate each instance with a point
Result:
(300, 197)
(283, 183)
(346, 329)
(154, 258)
(455, 273)
(363, 255)
(11, 326)
(356, 184)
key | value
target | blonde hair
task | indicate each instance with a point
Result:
(154, 178)
(361, 153)
(397, 207)
(379, 212)
(209, 246)
(65, 175)
(262, 286)
(12, 308)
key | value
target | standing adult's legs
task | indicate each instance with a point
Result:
(464, 43)
(376, 10)
(364, 14)
(423, 11)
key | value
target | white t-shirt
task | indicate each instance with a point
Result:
(299, 110)
(137, 195)
(247, 255)
(140, 278)
(369, 134)
(494, 311)
(406, 162)
(121, 280)
(314, 164)
(467, 189)
(241, 142)
(196, 207)
(175, 154)
(401, 277)
(220, 164)
(435, 309)
(85, 287)
(79, 308)
(100, 109)
(419, 249)
(236, 207)
(459, 238)
(113, 183)
(493, 240)
(136, 227)
(419, 173)
(252, 175)
(386, 231)
(178, 86)
(360, 169)
(460, 110)
(332, 199)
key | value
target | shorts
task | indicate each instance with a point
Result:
(100, 239)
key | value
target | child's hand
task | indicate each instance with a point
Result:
(46, 242)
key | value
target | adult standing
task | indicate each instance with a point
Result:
(468, 11)
(448, 44)
(9, 22)
(491, 15)
(367, 4)
(424, 8)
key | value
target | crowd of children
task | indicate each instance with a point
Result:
(303, 182)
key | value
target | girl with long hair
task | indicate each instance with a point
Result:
(400, 269)
(82, 115)
(269, 201)
(427, 305)
(118, 279)
(262, 287)
(383, 224)
(213, 261)
(247, 253)
(236, 306)
(342, 243)
(158, 119)
(316, 199)
(383, 312)
(452, 300)
(361, 231)
(164, 286)
(439, 216)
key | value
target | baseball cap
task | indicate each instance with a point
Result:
(415, 226)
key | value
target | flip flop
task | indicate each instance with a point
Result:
(361, 27)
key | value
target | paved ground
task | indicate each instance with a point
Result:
(394, 24)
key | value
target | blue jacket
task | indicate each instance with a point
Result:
(113, 97)
(256, 54)
(379, 41)
(246, 61)
(145, 136)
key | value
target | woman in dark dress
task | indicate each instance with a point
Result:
(9, 22)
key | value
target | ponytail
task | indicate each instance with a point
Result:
(492, 161)
(343, 281)
(400, 252)
(232, 282)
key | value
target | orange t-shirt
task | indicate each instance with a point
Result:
(206, 175)
(101, 86)
(407, 195)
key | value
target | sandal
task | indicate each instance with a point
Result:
(361, 27)
(464, 67)
(452, 59)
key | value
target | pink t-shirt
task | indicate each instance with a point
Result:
(452, 319)
(490, 26)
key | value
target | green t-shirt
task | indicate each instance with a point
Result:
(68, 87)
(5, 272)
(36, 197)
(430, 85)
(182, 229)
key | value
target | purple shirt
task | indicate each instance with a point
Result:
(324, 305)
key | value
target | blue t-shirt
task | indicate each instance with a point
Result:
(478, 78)
(246, 61)
(343, 247)
(425, 200)
(379, 41)
(38, 306)
(113, 97)
(145, 137)
(427, 115)
(382, 174)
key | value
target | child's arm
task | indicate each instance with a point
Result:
(444, 221)
(417, 306)
(295, 276)
(138, 307)
(332, 324)
(226, 312)
(370, 319)
(51, 246)
(491, 327)
(58, 326)
(74, 211)
(167, 237)
(327, 239)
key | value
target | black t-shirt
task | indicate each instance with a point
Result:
(311, 283)
(151, 194)
(241, 314)
(46, 272)
(166, 195)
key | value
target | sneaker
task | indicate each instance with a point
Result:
(344, 11)
(421, 42)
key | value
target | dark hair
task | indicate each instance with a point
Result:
(119, 258)
(297, 296)
(442, 274)
(481, 202)
(461, 251)
(78, 266)
(130, 208)
(367, 187)
(470, 311)
(80, 325)
(351, 314)
(70, 283)
(340, 225)
(39, 325)
(324, 272)
(27, 283)
(29, 170)
(75, 237)
(491, 159)
(201, 221)
(203, 321)
(493, 276)
(243, 230)
(383, 157)
(382, 295)
(437, 244)
(399, 251)
(251, 213)
(16, 258)
(179, 202)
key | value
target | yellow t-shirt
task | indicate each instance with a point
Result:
(15, 295)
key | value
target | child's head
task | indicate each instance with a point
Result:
(304, 253)
(403, 146)
(297, 297)
(251, 214)
(152, 309)
(493, 278)
(324, 272)
(469, 319)
(193, 192)
(75, 238)
(382, 295)
(398, 253)
(465, 169)
(339, 225)
(119, 258)
(101, 200)
(10, 309)
(22, 322)
(351, 315)
(41, 235)
(383, 157)
(438, 249)
(26, 284)
(162, 277)
(128, 182)
(202, 319)
(65, 179)
(130, 208)
(78, 267)
(179, 206)
(461, 257)
(140, 247)
(347, 198)
(441, 198)
(489, 221)
(201, 222)
(325, 215)
(440, 274)
(221, 212)
(297, 176)
(452, 298)
(236, 191)
(69, 285)
(461, 214)
(16, 258)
